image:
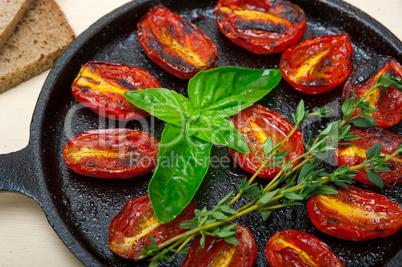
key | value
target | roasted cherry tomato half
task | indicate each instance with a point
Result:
(355, 154)
(220, 253)
(112, 153)
(131, 229)
(256, 124)
(261, 27)
(387, 100)
(295, 248)
(175, 44)
(101, 87)
(318, 64)
(355, 214)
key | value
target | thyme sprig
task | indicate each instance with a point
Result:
(299, 178)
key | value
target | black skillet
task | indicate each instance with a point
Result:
(80, 208)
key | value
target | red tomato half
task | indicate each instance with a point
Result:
(101, 87)
(295, 248)
(256, 123)
(131, 229)
(318, 64)
(356, 154)
(355, 214)
(261, 27)
(389, 100)
(175, 44)
(112, 153)
(220, 253)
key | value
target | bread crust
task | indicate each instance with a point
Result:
(12, 12)
(39, 38)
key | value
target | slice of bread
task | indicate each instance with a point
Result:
(11, 11)
(39, 38)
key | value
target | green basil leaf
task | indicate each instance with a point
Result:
(183, 161)
(293, 196)
(265, 214)
(231, 240)
(219, 215)
(373, 151)
(300, 112)
(226, 234)
(323, 111)
(266, 197)
(225, 91)
(162, 103)
(267, 146)
(188, 224)
(364, 122)
(202, 241)
(375, 178)
(219, 131)
(325, 189)
(305, 171)
(341, 184)
(225, 199)
(228, 210)
(347, 107)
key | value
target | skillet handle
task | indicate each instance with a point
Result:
(17, 173)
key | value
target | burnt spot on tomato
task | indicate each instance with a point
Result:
(175, 44)
(188, 27)
(101, 87)
(84, 89)
(368, 69)
(292, 13)
(317, 64)
(260, 26)
(125, 84)
(172, 31)
(264, 27)
(331, 221)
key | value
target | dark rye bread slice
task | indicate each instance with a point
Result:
(11, 11)
(39, 38)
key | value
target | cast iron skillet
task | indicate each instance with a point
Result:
(80, 208)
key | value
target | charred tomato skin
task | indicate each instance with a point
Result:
(355, 154)
(255, 124)
(318, 64)
(175, 44)
(101, 86)
(261, 27)
(111, 153)
(387, 100)
(131, 229)
(296, 248)
(355, 214)
(215, 253)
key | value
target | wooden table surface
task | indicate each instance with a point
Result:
(26, 238)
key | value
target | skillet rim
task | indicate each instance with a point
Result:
(43, 197)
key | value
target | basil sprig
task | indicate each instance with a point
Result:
(194, 124)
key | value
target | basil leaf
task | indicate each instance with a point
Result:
(267, 147)
(292, 195)
(364, 122)
(162, 103)
(218, 131)
(374, 151)
(347, 107)
(225, 91)
(266, 197)
(265, 214)
(183, 161)
(375, 179)
(231, 240)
